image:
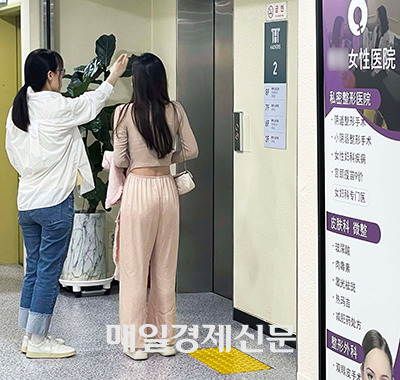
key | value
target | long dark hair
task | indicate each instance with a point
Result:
(337, 27)
(382, 14)
(38, 63)
(149, 98)
(373, 339)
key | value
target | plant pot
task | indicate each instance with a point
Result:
(86, 259)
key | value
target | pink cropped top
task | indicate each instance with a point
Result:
(131, 151)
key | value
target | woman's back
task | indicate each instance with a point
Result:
(144, 138)
(131, 150)
(48, 156)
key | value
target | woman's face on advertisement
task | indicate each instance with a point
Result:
(376, 366)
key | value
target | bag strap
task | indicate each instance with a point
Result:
(184, 158)
(183, 150)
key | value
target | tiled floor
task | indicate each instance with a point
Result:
(82, 322)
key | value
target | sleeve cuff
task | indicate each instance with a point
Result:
(108, 87)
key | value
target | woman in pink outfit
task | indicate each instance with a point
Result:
(145, 130)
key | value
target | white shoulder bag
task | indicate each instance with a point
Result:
(184, 180)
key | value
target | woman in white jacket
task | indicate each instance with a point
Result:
(44, 145)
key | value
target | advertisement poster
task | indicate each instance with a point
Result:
(361, 48)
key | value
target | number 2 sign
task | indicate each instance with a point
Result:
(275, 35)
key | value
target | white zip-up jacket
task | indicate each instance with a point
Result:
(49, 156)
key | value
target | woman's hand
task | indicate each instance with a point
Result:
(119, 65)
(117, 69)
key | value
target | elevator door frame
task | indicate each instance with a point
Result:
(11, 237)
(205, 88)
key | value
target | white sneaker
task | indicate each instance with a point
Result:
(24, 346)
(168, 351)
(48, 349)
(138, 355)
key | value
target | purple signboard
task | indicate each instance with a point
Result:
(361, 150)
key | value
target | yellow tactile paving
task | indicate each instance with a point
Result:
(226, 363)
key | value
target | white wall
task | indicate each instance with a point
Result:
(163, 38)
(265, 179)
(307, 337)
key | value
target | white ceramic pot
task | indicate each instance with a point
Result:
(86, 259)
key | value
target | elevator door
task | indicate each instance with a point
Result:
(195, 91)
(205, 88)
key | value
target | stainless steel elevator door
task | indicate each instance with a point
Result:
(195, 92)
(205, 88)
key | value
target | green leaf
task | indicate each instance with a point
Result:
(105, 47)
(93, 198)
(97, 195)
(82, 78)
(93, 69)
(97, 168)
(128, 71)
(101, 188)
(80, 68)
(103, 200)
(95, 158)
(77, 86)
(91, 195)
(104, 136)
(80, 89)
(108, 147)
(102, 123)
(109, 113)
(94, 153)
(82, 128)
(75, 82)
(94, 125)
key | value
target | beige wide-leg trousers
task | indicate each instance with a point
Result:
(149, 233)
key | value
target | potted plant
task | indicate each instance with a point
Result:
(86, 259)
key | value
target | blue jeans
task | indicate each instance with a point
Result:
(47, 233)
